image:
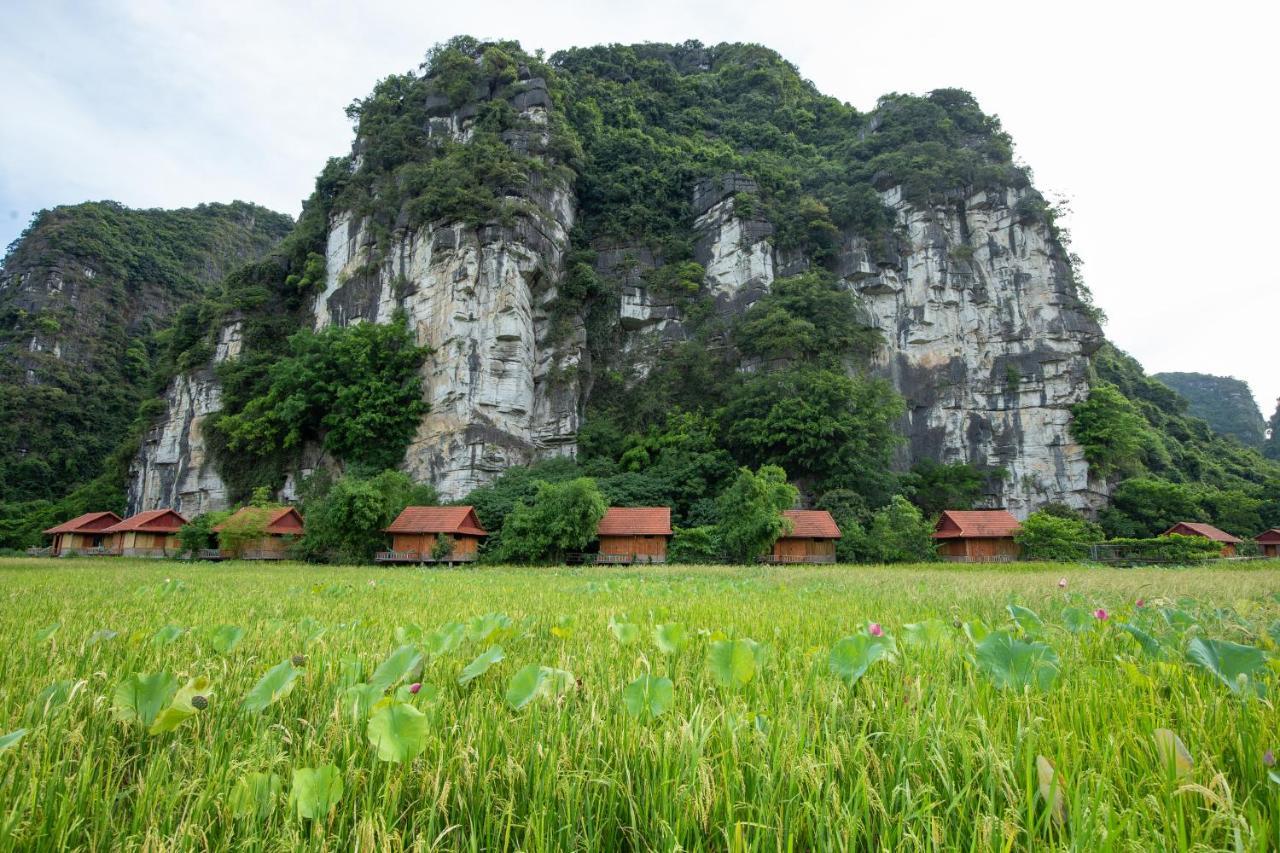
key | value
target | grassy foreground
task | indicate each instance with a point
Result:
(924, 751)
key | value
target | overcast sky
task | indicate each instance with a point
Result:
(1157, 124)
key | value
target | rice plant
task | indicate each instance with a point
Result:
(166, 705)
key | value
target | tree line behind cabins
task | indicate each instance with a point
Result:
(571, 521)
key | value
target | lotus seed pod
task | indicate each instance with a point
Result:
(199, 703)
(299, 660)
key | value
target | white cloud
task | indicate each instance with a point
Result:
(1154, 119)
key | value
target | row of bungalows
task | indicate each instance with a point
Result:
(988, 536)
(625, 535)
(154, 533)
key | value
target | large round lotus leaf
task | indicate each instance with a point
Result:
(625, 633)
(271, 688)
(397, 666)
(670, 638)
(316, 791)
(851, 657)
(1014, 664)
(225, 638)
(141, 697)
(732, 662)
(398, 730)
(481, 664)
(648, 697)
(1230, 663)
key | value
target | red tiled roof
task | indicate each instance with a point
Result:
(281, 520)
(438, 519)
(1196, 528)
(151, 521)
(976, 524)
(635, 521)
(1270, 536)
(90, 522)
(811, 524)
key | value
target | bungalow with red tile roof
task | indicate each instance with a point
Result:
(83, 534)
(812, 538)
(1269, 542)
(417, 529)
(153, 533)
(634, 534)
(977, 536)
(281, 526)
(1208, 531)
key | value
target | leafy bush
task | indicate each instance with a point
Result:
(751, 512)
(346, 518)
(935, 487)
(1111, 429)
(1048, 536)
(197, 534)
(355, 388)
(1173, 549)
(899, 533)
(694, 545)
(558, 519)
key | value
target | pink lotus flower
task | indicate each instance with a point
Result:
(1062, 583)
(1100, 615)
(415, 687)
(1141, 602)
(875, 630)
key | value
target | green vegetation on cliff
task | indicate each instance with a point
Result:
(1225, 403)
(1167, 465)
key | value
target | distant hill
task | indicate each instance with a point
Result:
(85, 294)
(1225, 402)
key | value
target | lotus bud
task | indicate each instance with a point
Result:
(875, 630)
(1062, 583)
(415, 687)
(1100, 615)
(1269, 758)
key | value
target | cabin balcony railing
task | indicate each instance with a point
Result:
(144, 552)
(261, 554)
(781, 559)
(626, 559)
(40, 552)
(419, 557)
(101, 551)
(989, 558)
(208, 554)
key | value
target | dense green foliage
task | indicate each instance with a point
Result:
(1223, 402)
(1056, 536)
(345, 518)
(558, 519)
(751, 512)
(1170, 466)
(89, 291)
(354, 389)
(653, 119)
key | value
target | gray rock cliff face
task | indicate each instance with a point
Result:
(984, 332)
(502, 382)
(988, 341)
(985, 337)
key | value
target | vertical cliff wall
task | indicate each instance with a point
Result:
(984, 333)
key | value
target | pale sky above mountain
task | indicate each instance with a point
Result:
(1155, 121)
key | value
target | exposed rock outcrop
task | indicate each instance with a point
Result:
(173, 469)
(987, 339)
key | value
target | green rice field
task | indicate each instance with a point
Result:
(166, 705)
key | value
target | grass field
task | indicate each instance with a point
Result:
(776, 744)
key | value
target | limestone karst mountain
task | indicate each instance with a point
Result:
(593, 244)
